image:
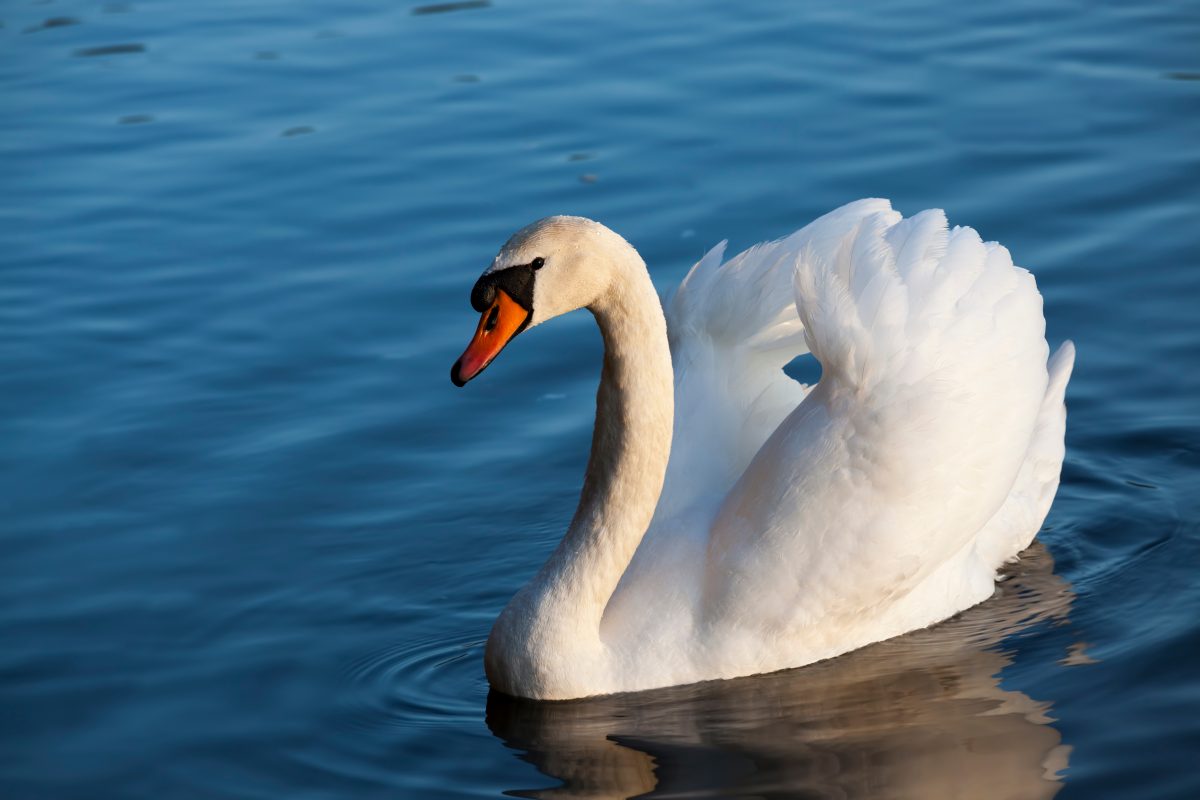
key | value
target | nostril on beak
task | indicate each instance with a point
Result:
(483, 294)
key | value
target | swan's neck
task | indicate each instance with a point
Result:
(631, 442)
(561, 608)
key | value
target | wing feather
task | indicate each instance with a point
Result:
(934, 378)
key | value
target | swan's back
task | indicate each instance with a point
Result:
(882, 500)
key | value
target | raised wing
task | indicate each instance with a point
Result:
(934, 372)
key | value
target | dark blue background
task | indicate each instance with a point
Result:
(252, 537)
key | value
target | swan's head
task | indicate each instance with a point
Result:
(555, 265)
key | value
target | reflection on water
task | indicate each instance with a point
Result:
(922, 716)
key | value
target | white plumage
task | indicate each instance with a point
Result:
(794, 523)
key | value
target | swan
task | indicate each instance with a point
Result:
(733, 521)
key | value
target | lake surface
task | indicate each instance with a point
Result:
(253, 540)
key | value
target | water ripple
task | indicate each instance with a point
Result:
(111, 50)
(418, 683)
(445, 8)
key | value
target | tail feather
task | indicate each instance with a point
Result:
(1016, 523)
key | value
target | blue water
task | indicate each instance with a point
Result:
(253, 539)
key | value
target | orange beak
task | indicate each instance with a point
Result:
(503, 320)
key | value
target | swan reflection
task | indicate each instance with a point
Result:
(921, 716)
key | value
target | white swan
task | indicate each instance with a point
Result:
(733, 521)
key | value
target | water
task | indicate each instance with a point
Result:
(253, 539)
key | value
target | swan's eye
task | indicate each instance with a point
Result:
(538, 263)
(492, 317)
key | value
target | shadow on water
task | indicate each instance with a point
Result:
(446, 8)
(52, 22)
(111, 50)
(917, 717)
